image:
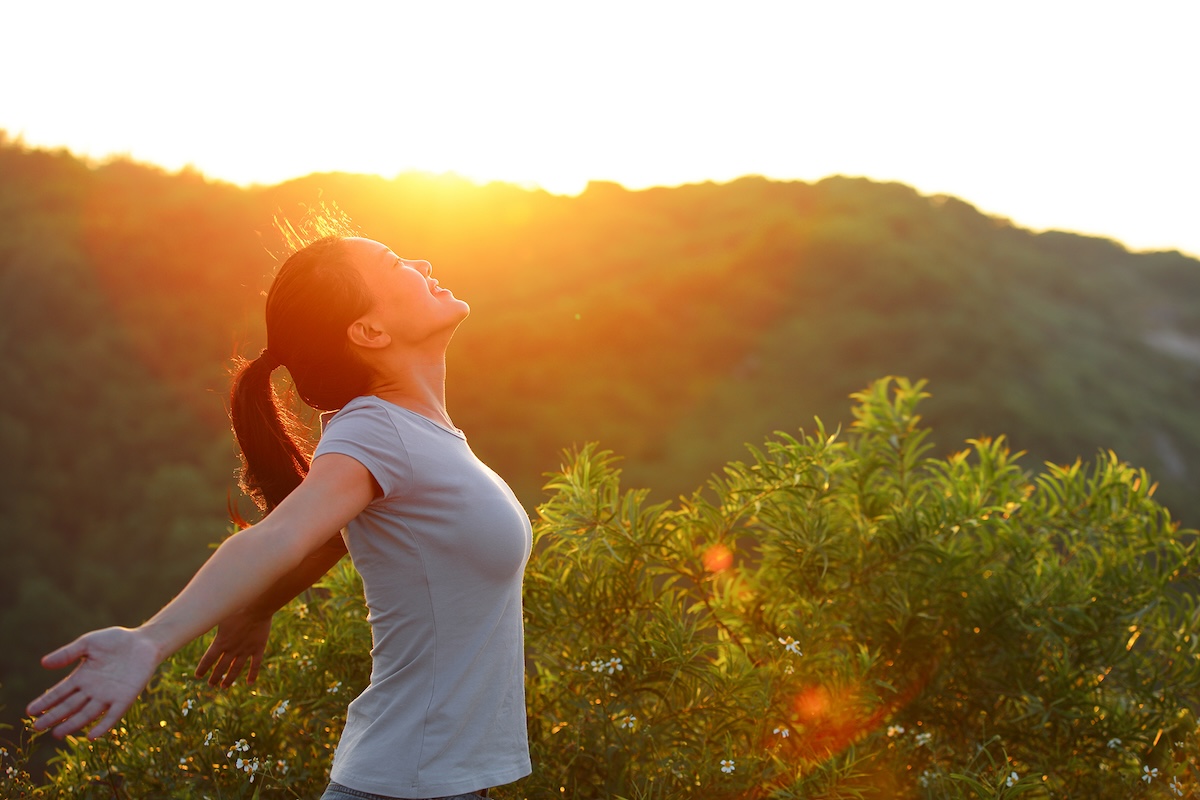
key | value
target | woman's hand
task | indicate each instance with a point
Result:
(241, 640)
(115, 664)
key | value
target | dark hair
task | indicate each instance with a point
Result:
(315, 296)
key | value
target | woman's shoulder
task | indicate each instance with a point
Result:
(364, 410)
(364, 430)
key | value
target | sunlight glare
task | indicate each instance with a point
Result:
(1089, 132)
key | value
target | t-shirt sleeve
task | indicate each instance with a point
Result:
(367, 434)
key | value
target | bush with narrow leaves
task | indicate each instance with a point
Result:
(841, 616)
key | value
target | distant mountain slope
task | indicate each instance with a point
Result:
(670, 325)
(675, 324)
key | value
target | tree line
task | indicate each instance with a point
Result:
(669, 325)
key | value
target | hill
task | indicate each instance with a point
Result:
(670, 325)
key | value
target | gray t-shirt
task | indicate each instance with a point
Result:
(442, 554)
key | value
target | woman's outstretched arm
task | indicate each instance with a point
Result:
(116, 663)
(242, 637)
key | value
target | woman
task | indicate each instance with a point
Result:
(440, 540)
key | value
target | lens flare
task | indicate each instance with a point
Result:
(717, 558)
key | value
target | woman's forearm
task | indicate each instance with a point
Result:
(248, 565)
(302, 577)
(241, 638)
(115, 664)
(238, 572)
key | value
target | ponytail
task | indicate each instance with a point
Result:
(315, 295)
(274, 457)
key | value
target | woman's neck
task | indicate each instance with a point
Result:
(418, 387)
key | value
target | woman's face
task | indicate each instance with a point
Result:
(408, 302)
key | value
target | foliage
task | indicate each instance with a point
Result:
(671, 324)
(840, 616)
(183, 739)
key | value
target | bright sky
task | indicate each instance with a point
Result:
(1080, 116)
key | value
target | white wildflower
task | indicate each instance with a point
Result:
(1012, 779)
(1176, 787)
(895, 730)
(727, 765)
(1114, 743)
(923, 739)
(791, 645)
(240, 746)
(629, 721)
(612, 665)
(1149, 773)
(334, 688)
(280, 709)
(188, 706)
(782, 731)
(249, 766)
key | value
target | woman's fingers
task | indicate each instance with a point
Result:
(55, 705)
(86, 713)
(108, 721)
(217, 677)
(232, 672)
(62, 657)
(239, 645)
(227, 669)
(114, 666)
(206, 661)
(252, 675)
(66, 654)
(45, 700)
(50, 698)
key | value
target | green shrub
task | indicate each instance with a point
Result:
(840, 616)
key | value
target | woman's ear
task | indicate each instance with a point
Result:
(364, 333)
